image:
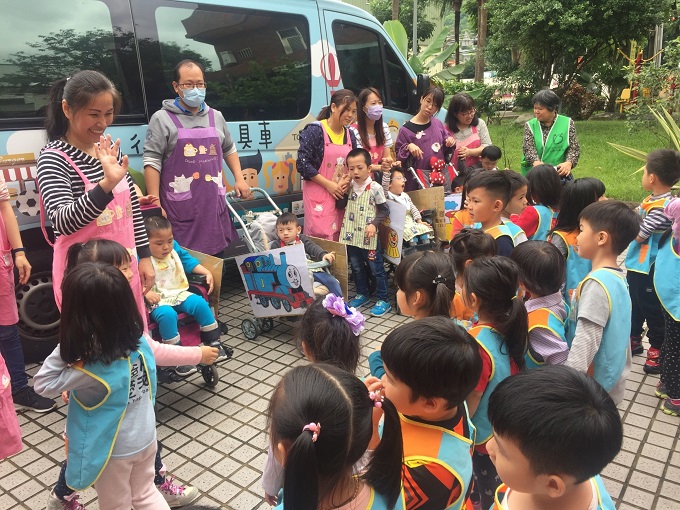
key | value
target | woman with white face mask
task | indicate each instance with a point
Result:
(371, 132)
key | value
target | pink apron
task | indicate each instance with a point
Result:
(193, 192)
(8, 304)
(322, 219)
(114, 223)
(471, 142)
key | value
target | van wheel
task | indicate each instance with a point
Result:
(38, 316)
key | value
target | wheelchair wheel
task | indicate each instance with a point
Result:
(286, 305)
(266, 325)
(276, 303)
(211, 375)
(250, 329)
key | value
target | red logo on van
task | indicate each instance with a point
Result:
(330, 70)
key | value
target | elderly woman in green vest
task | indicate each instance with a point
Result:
(550, 138)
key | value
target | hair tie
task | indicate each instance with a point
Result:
(315, 429)
(439, 279)
(337, 306)
(377, 398)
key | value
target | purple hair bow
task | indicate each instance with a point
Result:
(337, 306)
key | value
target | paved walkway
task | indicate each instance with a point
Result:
(215, 438)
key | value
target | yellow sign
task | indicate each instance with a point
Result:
(27, 158)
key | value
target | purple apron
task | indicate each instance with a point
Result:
(193, 192)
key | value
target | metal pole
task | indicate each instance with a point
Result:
(415, 27)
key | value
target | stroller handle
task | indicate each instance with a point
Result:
(232, 195)
(318, 265)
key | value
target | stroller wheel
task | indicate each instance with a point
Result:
(249, 328)
(266, 325)
(210, 375)
(276, 303)
(286, 305)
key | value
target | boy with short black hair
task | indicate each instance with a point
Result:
(555, 429)
(518, 202)
(661, 172)
(289, 232)
(489, 158)
(599, 320)
(488, 193)
(431, 366)
(365, 208)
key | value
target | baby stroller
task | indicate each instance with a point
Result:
(191, 336)
(259, 235)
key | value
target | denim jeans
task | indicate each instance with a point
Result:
(329, 281)
(194, 305)
(358, 258)
(11, 350)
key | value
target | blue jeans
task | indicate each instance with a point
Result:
(166, 315)
(329, 281)
(358, 258)
(13, 353)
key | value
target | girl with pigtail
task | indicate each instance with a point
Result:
(489, 288)
(321, 423)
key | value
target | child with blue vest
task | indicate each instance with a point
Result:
(541, 278)
(365, 208)
(488, 195)
(106, 363)
(516, 206)
(544, 193)
(555, 429)
(660, 173)
(666, 284)
(576, 196)
(431, 365)
(489, 287)
(599, 319)
(320, 425)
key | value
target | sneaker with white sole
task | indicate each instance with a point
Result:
(54, 503)
(380, 308)
(26, 398)
(177, 495)
(185, 370)
(358, 300)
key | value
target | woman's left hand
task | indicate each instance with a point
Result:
(564, 169)
(147, 276)
(450, 141)
(23, 267)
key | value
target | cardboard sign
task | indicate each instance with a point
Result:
(214, 265)
(432, 198)
(340, 268)
(392, 232)
(277, 282)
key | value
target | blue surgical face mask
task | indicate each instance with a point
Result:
(194, 97)
(374, 112)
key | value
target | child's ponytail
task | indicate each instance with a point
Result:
(495, 282)
(301, 481)
(432, 274)
(384, 468)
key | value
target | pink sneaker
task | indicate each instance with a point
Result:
(72, 503)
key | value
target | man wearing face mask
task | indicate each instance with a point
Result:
(186, 142)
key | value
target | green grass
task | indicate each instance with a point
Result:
(598, 158)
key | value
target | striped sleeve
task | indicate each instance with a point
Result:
(656, 220)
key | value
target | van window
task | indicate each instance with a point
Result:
(366, 60)
(46, 41)
(257, 63)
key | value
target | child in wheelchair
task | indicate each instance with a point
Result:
(416, 231)
(170, 294)
(289, 231)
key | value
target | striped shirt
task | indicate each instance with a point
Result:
(656, 220)
(67, 205)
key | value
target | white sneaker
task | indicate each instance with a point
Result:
(177, 495)
(54, 503)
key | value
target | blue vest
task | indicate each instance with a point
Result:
(667, 278)
(439, 448)
(545, 319)
(611, 357)
(604, 500)
(92, 431)
(577, 268)
(546, 219)
(500, 231)
(491, 341)
(641, 256)
(515, 230)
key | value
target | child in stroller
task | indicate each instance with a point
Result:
(416, 231)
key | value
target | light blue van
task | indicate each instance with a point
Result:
(271, 65)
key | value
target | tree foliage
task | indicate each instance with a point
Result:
(382, 10)
(560, 37)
